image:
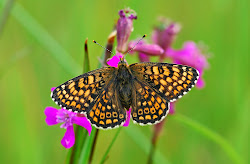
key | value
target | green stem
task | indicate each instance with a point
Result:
(153, 146)
(151, 154)
(93, 146)
(81, 135)
(87, 147)
(228, 149)
(111, 144)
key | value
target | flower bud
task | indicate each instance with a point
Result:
(124, 28)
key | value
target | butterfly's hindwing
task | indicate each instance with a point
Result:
(80, 93)
(170, 81)
(147, 107)
(107, 111)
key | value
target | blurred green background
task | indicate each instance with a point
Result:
(38, 36)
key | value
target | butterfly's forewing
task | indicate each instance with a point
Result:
(170, 81)
(80, 93)
(147, 106)
(107, 111)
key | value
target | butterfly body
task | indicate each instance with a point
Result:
(124, 83)
(104, 95)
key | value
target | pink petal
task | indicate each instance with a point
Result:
(119, 55)
(128, 118)
(176, 62)
(156, 36)
(68, 139)
(124, 27)
(172, 108)
(169, 35)
(200, 83)
(165, 37)
(143, 57)
(113, 62)
(82, 121)
(50, 113)
(150, 49)
(52, 89)
(190, 46)
(158, 128)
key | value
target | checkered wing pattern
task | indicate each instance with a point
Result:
(170, 81)
(81, 93)
(147, 106)
(107, 112)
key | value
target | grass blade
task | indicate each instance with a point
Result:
(227, 148)
(5, 14)
(144, 143)
(45, 39)
(111, 144)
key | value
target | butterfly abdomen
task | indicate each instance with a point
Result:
(124, 85)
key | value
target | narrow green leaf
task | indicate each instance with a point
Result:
(226, 147)
(110, 145)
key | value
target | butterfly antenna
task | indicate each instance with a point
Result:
(103, 47)
(137, 43)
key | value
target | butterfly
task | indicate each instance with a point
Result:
(104, 95)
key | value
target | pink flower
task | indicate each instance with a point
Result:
(164, 37)
(67, 118)
(190, 55)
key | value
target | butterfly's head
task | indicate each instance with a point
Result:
(122, 62)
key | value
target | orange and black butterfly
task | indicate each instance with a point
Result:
(104, 95)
